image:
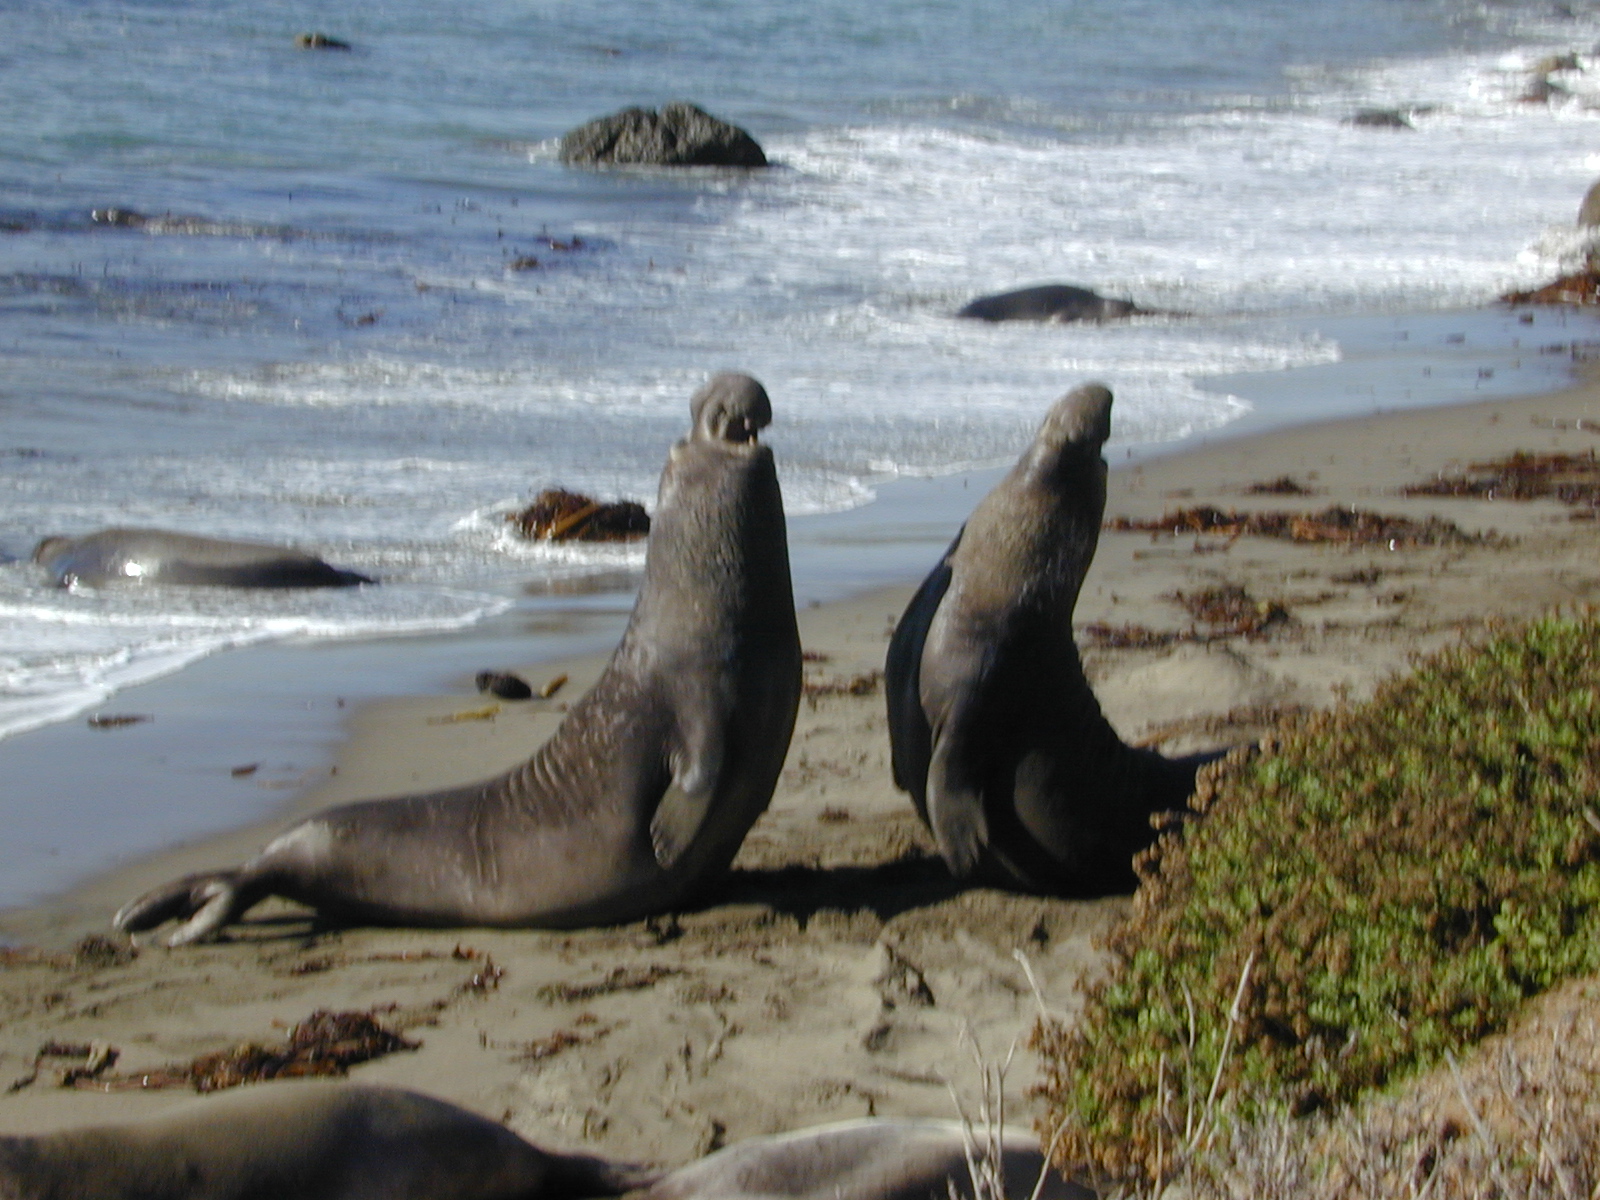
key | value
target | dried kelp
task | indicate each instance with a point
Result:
(1522, 475)
(1335, 524)
(1581, 287)
(325, 1043)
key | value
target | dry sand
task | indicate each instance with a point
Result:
(838, 970)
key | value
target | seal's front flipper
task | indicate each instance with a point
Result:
(205, 902)
(677, 819)
(955, 807)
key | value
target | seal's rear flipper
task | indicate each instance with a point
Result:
(206, 902)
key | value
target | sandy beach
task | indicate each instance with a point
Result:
(838, 971)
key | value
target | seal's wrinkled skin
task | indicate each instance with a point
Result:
(649, 786)
(303, 1141)
(138, 556)
(994, 730)
(865, 1160)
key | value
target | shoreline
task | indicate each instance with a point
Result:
(834, 971)
(281, 707)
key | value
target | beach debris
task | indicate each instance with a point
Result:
(485, 979)
(1283, 485)
(1129, 636)
(815, 656)
(325, 1043)
(1249, 718)
(1364, 577)
(505, 684)
(487, 713)
(319, 41)
(563, 1039)
(245, 770)
(97, 1058)
(621, 979)
(1581, 287)
(95, 950)
(557, 515)
(1522, 475)
(864, 684)
(834, 816)
(523, 262)
(1230, 611)
(553, 685)
(1336, 524)
(118, 720)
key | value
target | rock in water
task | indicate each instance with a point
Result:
(680, 135)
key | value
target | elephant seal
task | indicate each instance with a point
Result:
(122, 555)
(993, 728)
(1057, 302)
(643, 793)
(303, 1141)
(872, 1159)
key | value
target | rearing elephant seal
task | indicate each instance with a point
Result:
(648, 787)
(303, 1141)
(122, 555)
(993, 728)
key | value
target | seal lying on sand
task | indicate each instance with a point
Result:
(648, 787)
(861, 1160)
(1049, 302)
(993, 728)
(303, 1141)
(158, 556)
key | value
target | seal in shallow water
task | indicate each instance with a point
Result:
(303, 1141)
(648, 787)
(869, 1159)
(1048, 302)
(993, 727)
(122, 555)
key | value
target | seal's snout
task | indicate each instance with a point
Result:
(731, 408)
(1080, 418)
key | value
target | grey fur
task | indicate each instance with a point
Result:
(994, 730)
(646, 790)
(862, 1160)
(135, 556)
(303, 1141)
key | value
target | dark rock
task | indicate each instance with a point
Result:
(504, 684)
(557, 515)
(1048, 302)
(1380, 118)
(122, 218)
(319, 41)
(680, 135)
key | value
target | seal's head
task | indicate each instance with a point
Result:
(1080, 418)
(730, 408)
(46, 545)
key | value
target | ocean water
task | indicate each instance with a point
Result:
(318, 336)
